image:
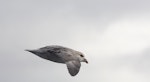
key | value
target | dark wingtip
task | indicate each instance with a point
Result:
(28, 50)
(73, 74)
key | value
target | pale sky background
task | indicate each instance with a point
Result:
(114, 35)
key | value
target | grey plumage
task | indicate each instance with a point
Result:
(60, 54)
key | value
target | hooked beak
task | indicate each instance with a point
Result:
(85, 61)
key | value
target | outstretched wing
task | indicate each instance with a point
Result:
(50, 53)
(73, 67)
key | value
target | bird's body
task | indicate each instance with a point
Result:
(59, 54)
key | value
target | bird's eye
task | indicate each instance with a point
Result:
(81, 55)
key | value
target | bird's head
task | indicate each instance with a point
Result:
(82, 57)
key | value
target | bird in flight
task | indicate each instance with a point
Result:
(60, 54)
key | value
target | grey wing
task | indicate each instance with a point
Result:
(51, 54)
(73, 67)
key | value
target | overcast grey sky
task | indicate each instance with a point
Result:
(114, 35)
